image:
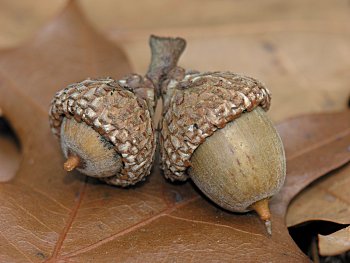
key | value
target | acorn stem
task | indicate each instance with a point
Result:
(72, 162)
(261, 207)
(166, 52)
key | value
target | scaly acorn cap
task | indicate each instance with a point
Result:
(197, 105)
(120, 112)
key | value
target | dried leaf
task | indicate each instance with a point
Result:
(327, 199)
(47, 214)
(9, 153)
(335, 243)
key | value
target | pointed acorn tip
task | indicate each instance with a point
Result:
(268, 226)
(261, 207)
(71, 163)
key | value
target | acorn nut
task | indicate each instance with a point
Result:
(105, 130)
(215, 131)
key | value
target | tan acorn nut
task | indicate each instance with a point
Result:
(215, 131)
(105, 128)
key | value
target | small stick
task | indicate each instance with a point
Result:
(72, 162)
(166, 52)
(262, 209)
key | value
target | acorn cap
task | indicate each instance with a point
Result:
(118, 115)
(200, 104)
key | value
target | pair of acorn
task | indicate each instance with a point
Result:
(214, 129)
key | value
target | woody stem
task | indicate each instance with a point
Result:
(166, 52)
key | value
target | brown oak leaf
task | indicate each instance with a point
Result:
(335, 243)
(327, 200)
(47, 215)
(9, 152)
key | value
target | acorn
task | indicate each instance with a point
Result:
(105, 129)
(105, 126)
(215, 130)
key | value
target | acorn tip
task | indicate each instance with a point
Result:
(71, 163)
(268, 226)
(261, 207)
